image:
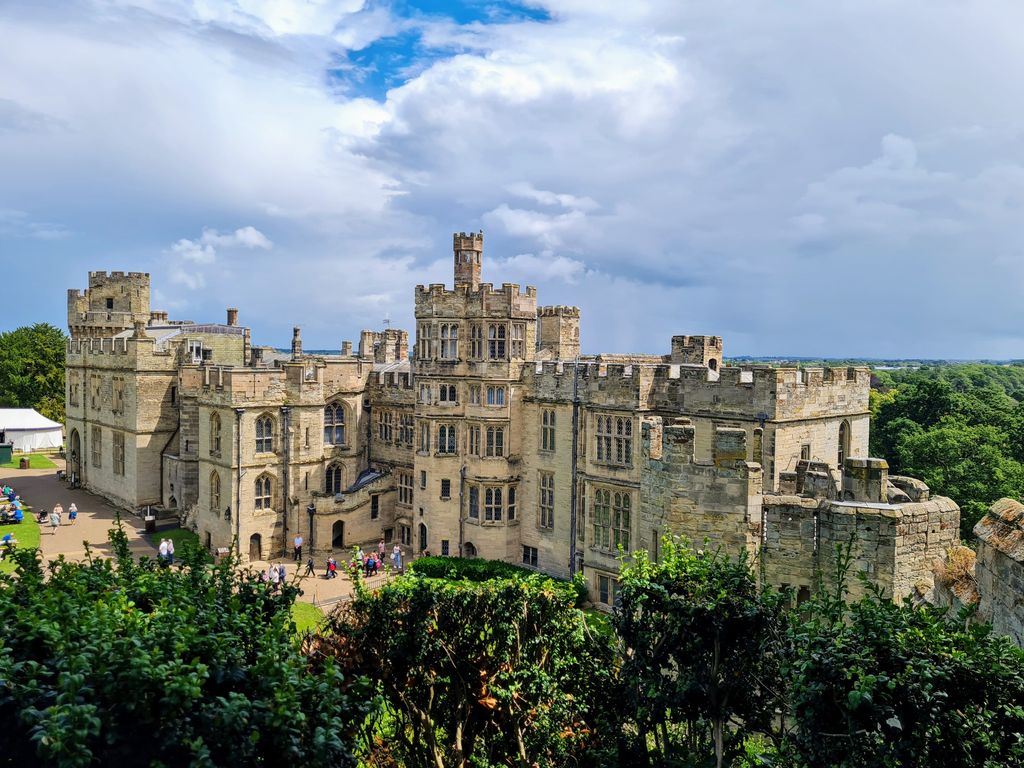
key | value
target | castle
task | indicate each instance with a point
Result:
(496, 438)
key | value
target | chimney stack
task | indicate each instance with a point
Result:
(232, 316)
(346, 348)
(296, 343)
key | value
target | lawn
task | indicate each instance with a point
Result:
(306, 617)
(35, 461)
(27, 534)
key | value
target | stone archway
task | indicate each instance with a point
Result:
(338, 535)
(75, 457)
(255, 547)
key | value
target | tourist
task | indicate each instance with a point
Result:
(332, 568)
(370, 568)
(396, 558)
(309, 567)
(264, 576)
(161, 552)
(297, 543)
(275, 577)
(170, 551)
(283, 571)
(59, 509)
(18, 514)
(380, 551)
(54, 520)
(72, 513)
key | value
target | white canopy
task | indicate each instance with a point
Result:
(29, 430)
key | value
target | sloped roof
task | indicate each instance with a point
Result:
(25, 418)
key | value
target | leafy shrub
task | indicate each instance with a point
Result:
(129, 664)
(467, 569)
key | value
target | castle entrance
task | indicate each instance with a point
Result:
(255, 547)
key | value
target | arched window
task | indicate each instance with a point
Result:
(215, 434)
(446, 442)
(215, 493)
(449, 341)
(264, 488)
(621, 511)
(469, 549)
(334, 479)
(496, 342)
(264, 435)
(334, 424)
(844, 442)
(423, 537)
(602, 519)
(713, 364)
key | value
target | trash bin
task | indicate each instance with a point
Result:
(23, 464)
(150, 523)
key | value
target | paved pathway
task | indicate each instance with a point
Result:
(41, 489)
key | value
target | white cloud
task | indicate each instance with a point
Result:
(745, 168)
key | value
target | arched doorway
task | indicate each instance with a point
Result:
(255, 547)
(469, 549)
(844, 443)
(74, 457)
(338, 535)
(423, 537)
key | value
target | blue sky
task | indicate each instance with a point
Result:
(806, 178)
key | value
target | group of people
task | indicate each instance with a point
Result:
(370, 564)
(275, 576)
(56, 516)
(11, 509)
(165, 552)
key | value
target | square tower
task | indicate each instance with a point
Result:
(469, 252)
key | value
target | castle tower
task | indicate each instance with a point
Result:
(469, 252)
(113, 302)
(558, 330)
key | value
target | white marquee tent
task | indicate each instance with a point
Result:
(29, 430)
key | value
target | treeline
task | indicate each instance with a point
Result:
(960, 428)
(136, 665)
(32, 369)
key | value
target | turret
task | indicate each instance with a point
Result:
(296, 343)
(469, 252)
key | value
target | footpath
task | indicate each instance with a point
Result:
(41, 489)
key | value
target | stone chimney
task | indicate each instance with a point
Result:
(296, 343)
(140, 330)
(232, 316)
(346, 348)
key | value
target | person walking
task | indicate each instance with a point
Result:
(309, 567)
(396, 558)
(170, 551)
(297, 543)
(72, 513)
(161, 552)
(380, 551)
(275, 577)
(54, 520)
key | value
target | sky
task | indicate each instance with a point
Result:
(802, 178)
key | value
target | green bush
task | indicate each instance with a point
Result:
(467, 569)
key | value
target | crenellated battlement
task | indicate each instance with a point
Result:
(558, 311)
(439, 291)
(98, 278)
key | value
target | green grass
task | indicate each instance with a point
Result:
(306, 617)
(35, 461)
(27, 534)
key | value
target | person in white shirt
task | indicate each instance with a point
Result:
(162, 551)
(297, 542)
(170, 552)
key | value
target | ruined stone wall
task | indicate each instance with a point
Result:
(1000, 568)
(896, 545)
(718, 502)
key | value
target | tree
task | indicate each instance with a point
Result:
(32, 369)
(700, 667)
(878, 683)
(116, 663)
(499, 672)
